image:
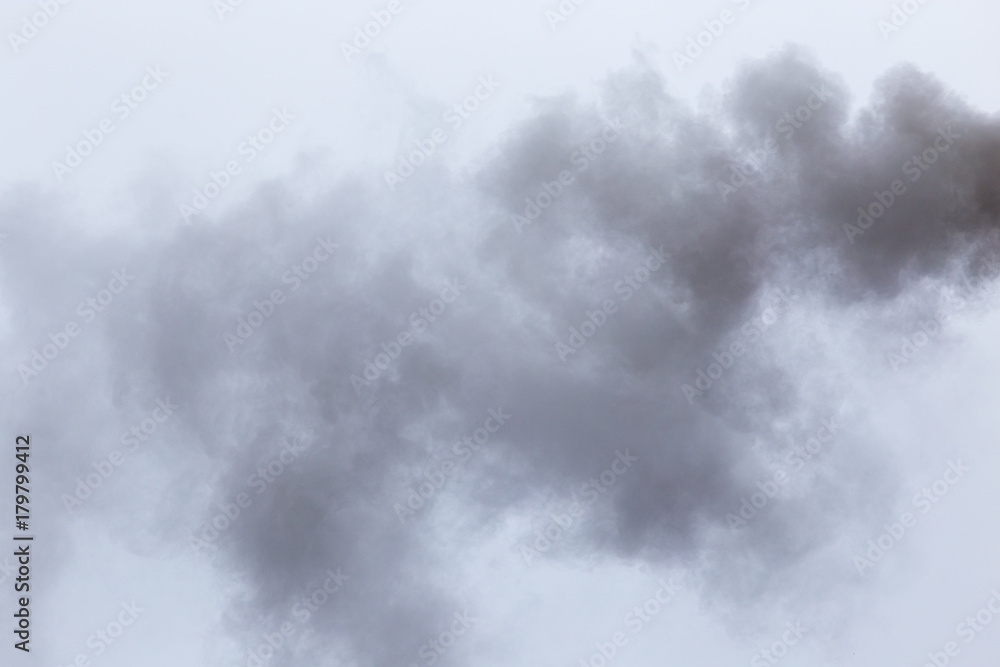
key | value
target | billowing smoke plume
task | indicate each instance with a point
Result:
(635, 286)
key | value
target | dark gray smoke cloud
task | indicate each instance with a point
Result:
(664, 175)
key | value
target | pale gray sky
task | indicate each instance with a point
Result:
(261, 319)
